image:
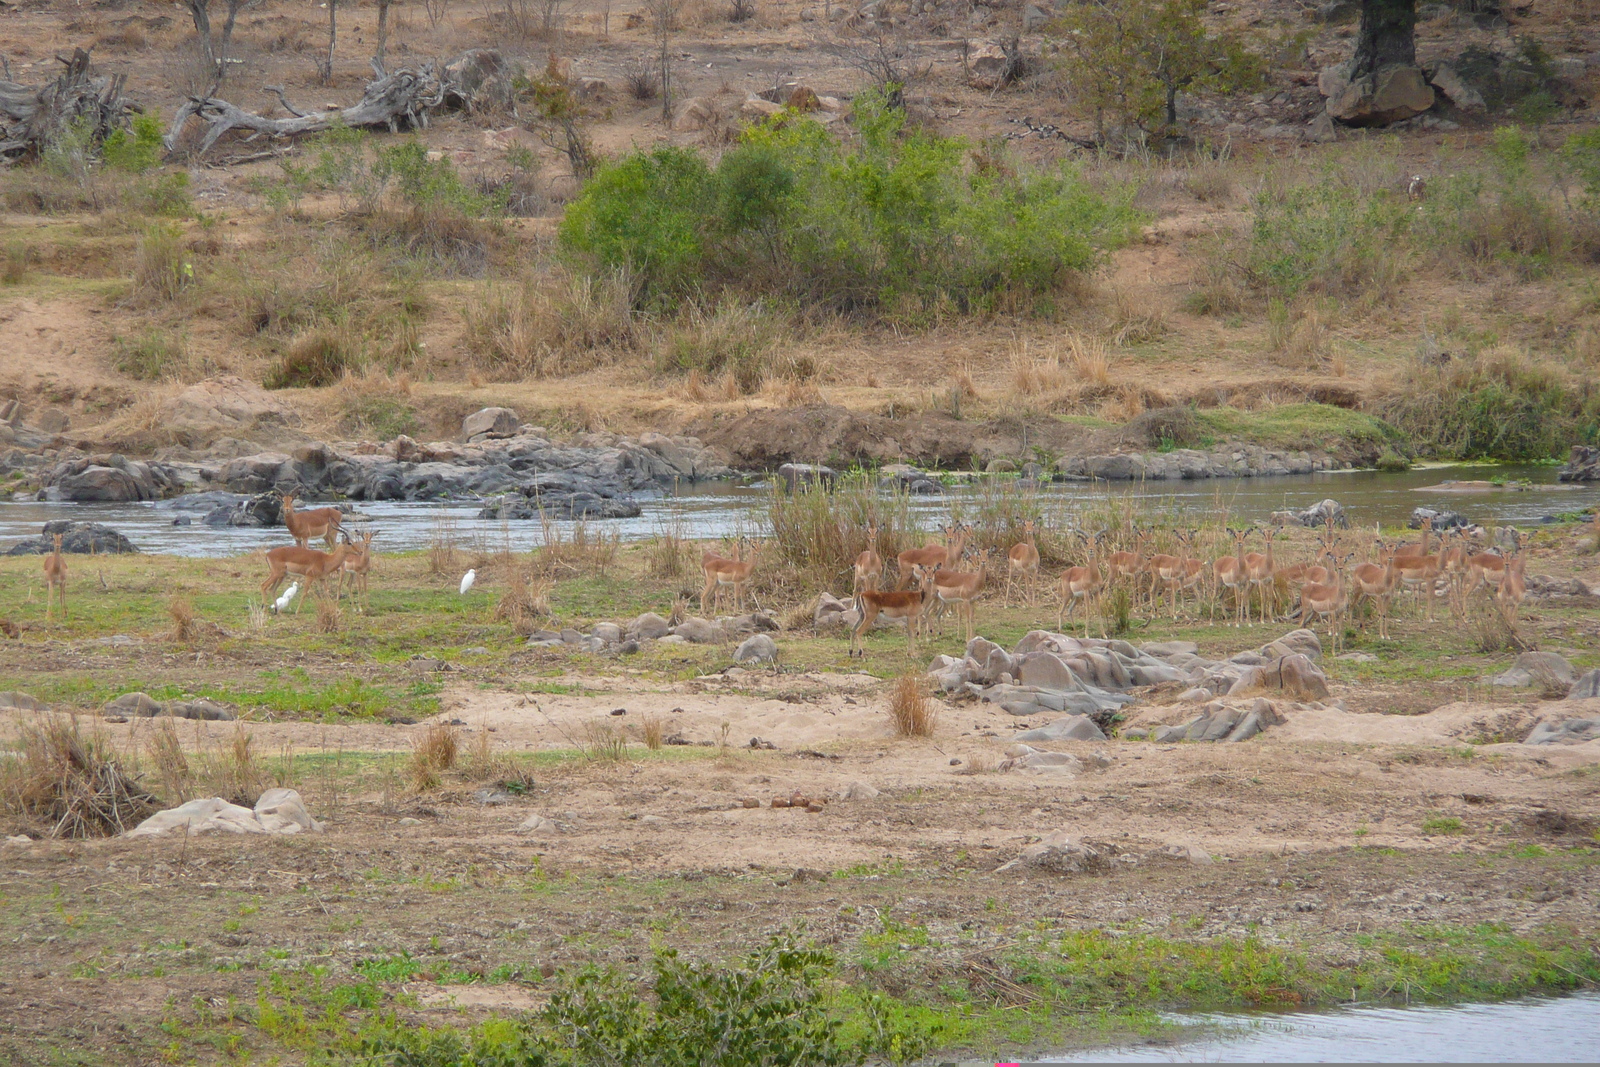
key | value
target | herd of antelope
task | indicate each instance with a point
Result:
(938, 577)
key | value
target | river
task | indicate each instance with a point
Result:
(1533, 1030)
(717, 509)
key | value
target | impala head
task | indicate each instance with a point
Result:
(57, 539)
(288, 498)
(872, 533)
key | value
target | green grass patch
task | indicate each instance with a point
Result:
(1298, 426)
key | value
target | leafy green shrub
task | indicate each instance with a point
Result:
(1581, 153)
(1326, 238)
(767, 1010)
(1498, 405)
(899, 222)
(162, 266)
(1502, 215)
(135, 150)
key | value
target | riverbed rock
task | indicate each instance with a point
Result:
(277, 811)
(1583, 465)
(1586, 687)
(1442, 520)
(758, 648)
(12, 700)
(649, 627)
(133, 705)
(1541, 668)
(1316, 516)
(107, 479)
(82, 538)
(1062, 853)
(225, 404)
(485, 421)
(1564, 732)
(1034, 759)
(699, 631)
(1294, 674)
(1066, 728)
(282, 811)
(203, 710)
(563, 506)
(798, 475)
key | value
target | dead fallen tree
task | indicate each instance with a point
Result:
(32, 117)
(399, 100)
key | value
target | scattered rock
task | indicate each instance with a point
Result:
(750, 802)
(1066, 728)
(224, 404)
(1543, 668)
(795, 475)
(759, 110)
(277, 811)
(649, 627)
(1060, 852)
(698, 631)
(859, 790)
(1182, 853)
(409, 821)
(1316, 516)
(1586, 687)
(133, 705)
(692, 115)
(757, 649)
(18, 840)
(1567, 732)
(485, 421)
(537, 824)
(203, 710)
(11, 699)
(1442, 520)
(1583, 465)
(1034, 759)
(1463, 96)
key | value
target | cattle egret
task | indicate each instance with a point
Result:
(286, 599)
(467, 580)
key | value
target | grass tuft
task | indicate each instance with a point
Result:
(910, 710)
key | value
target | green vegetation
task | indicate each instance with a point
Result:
(1328, 237)
(1128, 60)
(1300, 426)
(899, 223)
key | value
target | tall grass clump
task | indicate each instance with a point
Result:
(910, 710)
(316, 358)
(550, 327)
(818, 530)
(162, 266)
(896, 221)
(1500, 404)
(1326, 238)
(70, 784)
(432, 754)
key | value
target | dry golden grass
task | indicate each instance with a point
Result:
(432, 754)
(651, 727)
(181, 610)
(65, 783)
(912, 714)
(976, 763)
(549, 327)
(524, 600)
(1090, 363)
(443, 558)
(1037, 370)
(231, 770)
(962, 385)
(330, 617)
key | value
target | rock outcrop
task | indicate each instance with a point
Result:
(84, 538)
(1583, 465)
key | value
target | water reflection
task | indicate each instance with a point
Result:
(1538, 1030)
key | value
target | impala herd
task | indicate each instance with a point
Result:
(944, 576)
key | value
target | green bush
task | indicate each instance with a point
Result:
(1326, 238)
(151, 356)
(898, 221)
(1500, 215)
(135, 150)
(316, 358)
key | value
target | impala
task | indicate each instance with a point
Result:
(55, 578)
(1129, 565)
(1083, 584)
(1169, 571)
(1260, 571)
(1194, 569)
(1376, 582)
(357, 566)
(305, 563)
(869, 565)
(960, 588)
(905, 604)
(304, 526)
(933, 557)
(1230, 575)
(720, 571)
(1023, 561)
(1328, 600)
(1421, 573)
(1512, 589)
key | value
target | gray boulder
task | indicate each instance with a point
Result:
(1442, 520)
(1583, 465)
(607, 633)
(485, 421)
(699, 631)
(133, 706)
(1543, 668)
(1066, 728)
(649, 627)
(756, 649)
(14, 701)
(1586, 688)
(203, 710)
(1389, 94)
(1568, 732)
(795, 475)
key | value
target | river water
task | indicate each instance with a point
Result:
(1534, 1030)
(720, 509)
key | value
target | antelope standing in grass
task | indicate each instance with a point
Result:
(1128, 564)
(1083, 584)
(932, 557)
(1329, 600)
(1376, 582)
(960, 588)
(1023, 561)
(1169, 571)
(1260, 571)
(720, 572)
(1421, 573)
(1194, 568)
(869, 565)
(357, 566)
(1513, 587)
(1230, 574)
(305, 526)
(55, 579)
(305, 563)
(905, 604)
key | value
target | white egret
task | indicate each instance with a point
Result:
(286, 599)
(467, 580)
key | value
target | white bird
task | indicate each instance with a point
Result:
(286, 599)
(467, 580)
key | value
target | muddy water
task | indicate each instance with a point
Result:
(719, 509)
(1536, 1030)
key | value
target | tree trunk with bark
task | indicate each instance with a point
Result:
(383, 35)
(1388, 36)
(31, 117)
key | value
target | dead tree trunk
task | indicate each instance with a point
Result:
(32, 117)
(1388, 36)
(383, 35)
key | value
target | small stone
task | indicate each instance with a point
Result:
(859, 790)
(814, 807)
(652, 820)
(19, 840)
(780, 802)
(537, 824)
(409, 821)
(750, 802)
